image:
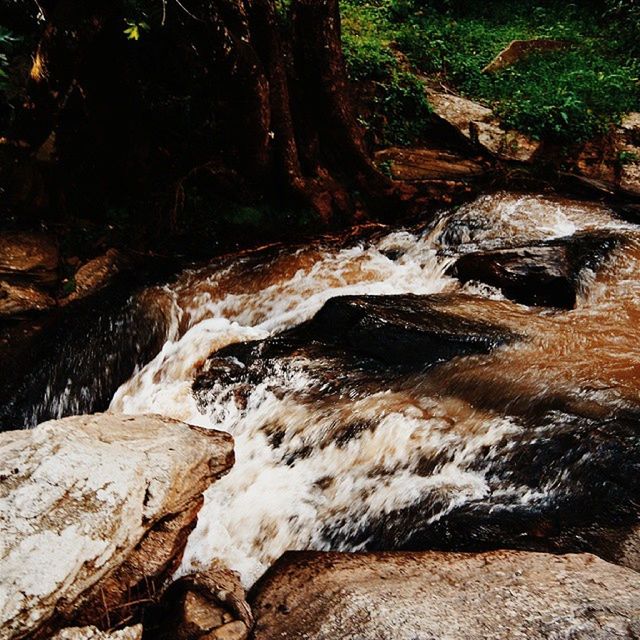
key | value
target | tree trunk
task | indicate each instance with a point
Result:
(273, 99)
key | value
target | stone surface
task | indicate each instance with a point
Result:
(202, 603)
(96, 274)
(542, 274)
(231, 631)
(16, 299)
(458, 112)
(93, 633)
(630, 128)
(517, 50)
(28, 254)
(630, 176)
(508, 145)
(417, 165)
(478, 125)
(498, 595)
(88, 504)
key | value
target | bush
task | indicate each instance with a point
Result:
(564, 97)
(367, 58)
(405, 108)
(400, 106)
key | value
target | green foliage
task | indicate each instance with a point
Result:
(367, 57)
(565, 96)
(405, 108)
(7, 43)
(400, 105)
(628, 157)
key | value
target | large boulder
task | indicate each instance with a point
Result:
(479, 126)
(405, 596)
(360, 335)
(94, 515)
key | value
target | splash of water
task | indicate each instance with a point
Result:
(287, 492)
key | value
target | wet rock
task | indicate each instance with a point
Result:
(497, 595)
(96, 274)
(542, 274)
(101, 340)
(17, 299)
(32, 256)
(518, 50)
(203, 604)
(418, 165)
(479, 126)
(401, 330)
(94, 515)
(93, 633)
(365, 333)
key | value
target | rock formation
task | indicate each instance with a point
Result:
(94, 515)
(403, 596)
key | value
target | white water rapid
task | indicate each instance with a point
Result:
(275, 498)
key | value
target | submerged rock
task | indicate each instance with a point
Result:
(366, 333)
(94, 515)
(404, 596)
(541, 274)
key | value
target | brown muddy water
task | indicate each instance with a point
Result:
(529, 440)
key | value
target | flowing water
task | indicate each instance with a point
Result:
(432, 441)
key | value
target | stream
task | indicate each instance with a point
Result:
(361, 427)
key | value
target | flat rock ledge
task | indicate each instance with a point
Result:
(436, 595)
(94, 513)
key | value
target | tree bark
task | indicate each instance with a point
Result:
(280, 102)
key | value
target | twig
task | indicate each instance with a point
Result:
(187, 11)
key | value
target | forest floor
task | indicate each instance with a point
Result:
(565, 96)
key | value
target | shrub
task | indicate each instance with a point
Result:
(565, 97)
(367, 58)
(400, 105)
(405, 108)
